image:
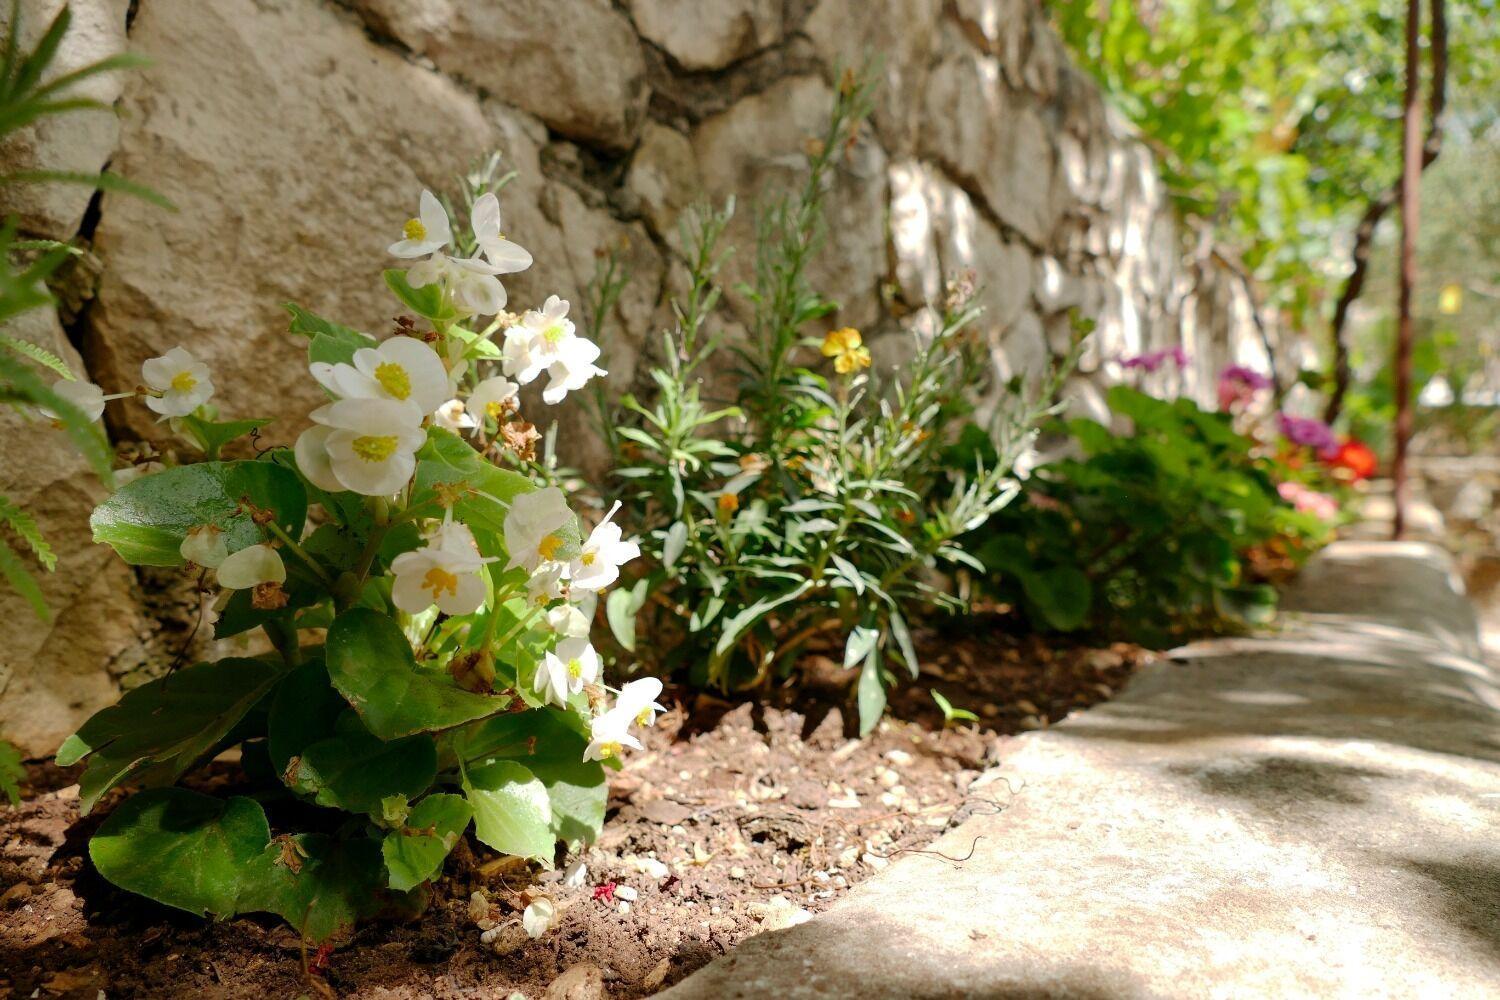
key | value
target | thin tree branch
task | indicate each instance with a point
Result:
(1364, 233)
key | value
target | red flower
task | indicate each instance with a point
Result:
(605, 891)
(1357, 457)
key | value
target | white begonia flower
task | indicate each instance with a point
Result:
(453, 416)
(552, 683)
(86, 396)
(506, 257)
(205, 546)
(609, 734)
(572, 369)
(531, 525)
(598, 563)
(492, 397)
(250, 567)
(567, 621)
(549, 583)
(401, 368)
(365, 445)
(428, 233)
(432, 271)
(533, 344)
(179, 381)
(448, 572)
(638, 701)
(538, 916)
(580, 660)
(476, 290)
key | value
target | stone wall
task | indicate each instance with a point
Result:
(292, 136)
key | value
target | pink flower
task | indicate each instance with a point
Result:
(1309, 501)
(1238, 386)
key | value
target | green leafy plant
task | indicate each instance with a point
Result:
(812, 502)
(426, 602)
(952, 716)
(12, 772)
(28, 96)
(1146, 533)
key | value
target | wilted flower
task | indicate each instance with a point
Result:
(179, 383)
(204, 545)
(250, 567)
(452, 416)
(538, 916)
(846, 347)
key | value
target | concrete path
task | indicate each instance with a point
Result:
(1315, 813)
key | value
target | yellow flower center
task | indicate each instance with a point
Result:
(608, 750)
(588, 557)
(644, 718)
(438, 580)
(575, 669)
(414, 230)
(393, 379)
(547, 547)
(374, 448)
(554, 334)
(184, 382)
(495, 409)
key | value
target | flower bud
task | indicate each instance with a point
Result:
(205, 546)
(250, 567)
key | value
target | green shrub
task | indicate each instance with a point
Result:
(1146, 533)
(813, 499)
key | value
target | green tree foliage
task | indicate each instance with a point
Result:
(1276, 122)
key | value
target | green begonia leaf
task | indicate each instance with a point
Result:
(512, 812)
(371, 664)
(414, 854)
(160, 729)
(146, 520)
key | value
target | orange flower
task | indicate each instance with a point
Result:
(846, 347)
(728, 503)
(1357, 457)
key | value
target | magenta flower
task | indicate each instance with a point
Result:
(1308, 432)
(1152, 361)
(1238, 386)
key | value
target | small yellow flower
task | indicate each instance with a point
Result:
(846, 347)
(728, 503)
(1451, 299)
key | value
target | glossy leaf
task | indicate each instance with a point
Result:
(512, 811)
(414, 854)
(146, 520)
(371, 665)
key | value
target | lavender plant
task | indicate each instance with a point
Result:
(426, 603)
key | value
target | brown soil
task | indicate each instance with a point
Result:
(736, 819)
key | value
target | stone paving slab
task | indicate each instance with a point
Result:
(1313, 813)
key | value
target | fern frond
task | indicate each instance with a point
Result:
(39, 354)
(19, 382)
(24, 525)
(22, 582)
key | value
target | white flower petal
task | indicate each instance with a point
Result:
(250, 567)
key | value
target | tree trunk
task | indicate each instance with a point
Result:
(1411, 177)
(1364, 233)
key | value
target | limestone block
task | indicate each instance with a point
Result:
(577, 65)
(708, 34)
(79, 142)
(54, 674)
